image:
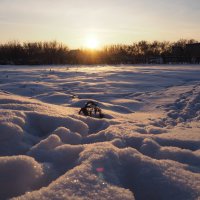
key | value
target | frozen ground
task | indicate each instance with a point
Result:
(147, 146)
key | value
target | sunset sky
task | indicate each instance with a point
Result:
(74, 22)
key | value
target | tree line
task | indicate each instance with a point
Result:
(49, 53)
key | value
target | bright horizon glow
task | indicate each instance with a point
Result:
(114, 22)
(92, 43)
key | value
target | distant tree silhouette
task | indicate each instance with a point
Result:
(48, 53)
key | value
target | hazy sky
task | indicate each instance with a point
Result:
(111, 21)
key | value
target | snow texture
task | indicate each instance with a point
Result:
(146, 147)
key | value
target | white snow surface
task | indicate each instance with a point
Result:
(146, 147)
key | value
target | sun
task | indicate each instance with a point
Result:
(92, 43)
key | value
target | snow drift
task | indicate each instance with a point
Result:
(147, 146)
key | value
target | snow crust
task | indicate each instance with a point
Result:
(146, 147)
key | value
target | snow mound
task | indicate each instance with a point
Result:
(159, 179)
(153, 149)
(67, 136)
(87, 179)
(18, 175)
(46, 124)
(94, 125)
(12, 133)
(120, 174)
(52, 150)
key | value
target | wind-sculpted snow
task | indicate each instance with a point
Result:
(19, 174)
(146, 147)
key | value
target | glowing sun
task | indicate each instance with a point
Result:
(92, 43)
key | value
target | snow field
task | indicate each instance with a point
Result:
(147, 146)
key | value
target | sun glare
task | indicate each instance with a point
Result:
(92, 43)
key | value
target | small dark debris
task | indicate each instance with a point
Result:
(91, 109)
